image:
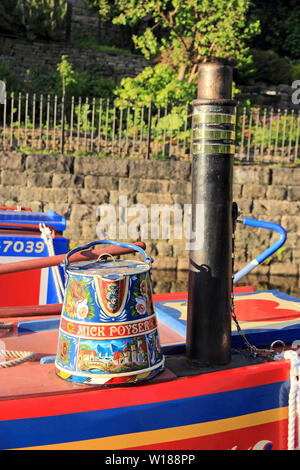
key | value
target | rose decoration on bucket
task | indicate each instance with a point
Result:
(81, 309)
(142, 297)
(141, 305)
(79, 303)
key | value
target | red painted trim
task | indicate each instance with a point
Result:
(7, 208)
(184, 295)
(171, 296)
(104, 398)
(30, 310)
(243, 289)
(25, 227)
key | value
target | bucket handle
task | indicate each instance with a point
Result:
(109, 242)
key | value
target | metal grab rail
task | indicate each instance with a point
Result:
(56, 260)
(266, 253)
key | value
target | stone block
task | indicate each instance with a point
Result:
(73, 233)
(181, 187)
(40, 180)
(35, 206)
(293, 240)
(277, 192)
(251, 175)
(296, 257)
(254, 191)
(286, 176)
(291, 223)
(67, 180)
(129, 185)
(181, 199)
(54, 195)
(101, 182)
(62, 209)
(168, 276)
(149, 199)
(142, 169)
(49, 163)
(137, 185)
(245, 206)
(183, 263)
(237, 190)
(13, 178)
(180, 248)
(87, 196)
(45, 195)
(262, 270)
(164, 249)
(9, 195)
(283, 269)
(272, 208)
(89, 230)
(165, 263)
(167, 169)
(80, 212)
(151, 249)
(293, 193)
(96, 166)
(118, 198)
(12, 160)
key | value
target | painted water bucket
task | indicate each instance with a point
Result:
(108, 328)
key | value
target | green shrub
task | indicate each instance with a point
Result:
(283, 130)
(43, 19)
(7, 76)
(294, 69)
(89, 83)
(158, 84)
(270, 67)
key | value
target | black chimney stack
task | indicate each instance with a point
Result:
(208, 342)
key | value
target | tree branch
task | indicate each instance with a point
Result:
(170, 24)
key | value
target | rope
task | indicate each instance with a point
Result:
(294, 398)
(46, 236)
(12, 358)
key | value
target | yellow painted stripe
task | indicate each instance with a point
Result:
(214, 118)
(213, 149)
(213, 134)
(124, 441)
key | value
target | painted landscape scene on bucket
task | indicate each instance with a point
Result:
(121, 355)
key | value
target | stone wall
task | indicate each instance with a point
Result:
(75, 187)
(83, 18)
(23, 55)
(266, 95)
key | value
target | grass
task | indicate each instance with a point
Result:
(76, 153)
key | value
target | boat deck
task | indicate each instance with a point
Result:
(33, 378)
(263, 316)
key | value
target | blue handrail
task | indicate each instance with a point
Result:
(265, 254)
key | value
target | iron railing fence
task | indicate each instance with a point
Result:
(71, 125)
